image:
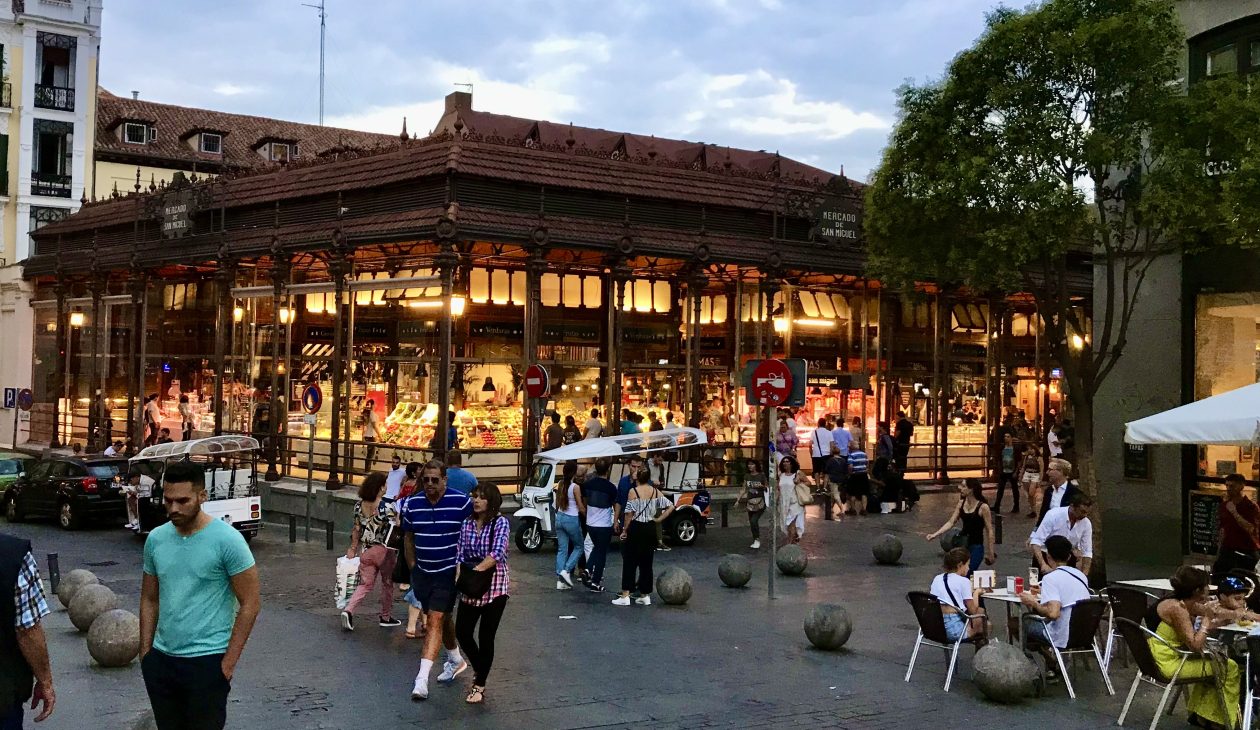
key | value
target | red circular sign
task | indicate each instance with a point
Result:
(771, 382)
(537, 382)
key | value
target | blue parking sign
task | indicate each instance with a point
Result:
(10, 397)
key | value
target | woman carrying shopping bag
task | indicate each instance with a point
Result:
(371, 535)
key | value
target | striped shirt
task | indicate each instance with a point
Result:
(28, 597)
(436, 528)
(857, 461)
(475, 543)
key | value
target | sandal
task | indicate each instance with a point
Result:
(476, 695)
(413, 634)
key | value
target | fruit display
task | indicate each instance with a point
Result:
(490, 427)
(410, 424)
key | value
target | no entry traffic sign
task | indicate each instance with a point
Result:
(25, 399)
(537, 382)
(771, 382)
(312, 398)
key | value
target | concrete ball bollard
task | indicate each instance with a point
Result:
(1003, 674)
(791, 560)
(828, 626)
(735, 570)
(114, 639)
(91, 601)
(71, 583)
(673, 585)
(887, 550)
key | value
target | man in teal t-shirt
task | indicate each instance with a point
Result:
(198, 603)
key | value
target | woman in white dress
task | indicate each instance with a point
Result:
(793, 513)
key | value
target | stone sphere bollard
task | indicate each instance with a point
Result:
(1003, 673)
(791, 560)
(887, 550)
(91, 601)
(114, 639)
(828, 626)
(674, 586)
(735, 570)
(947, 540)
(72, 582)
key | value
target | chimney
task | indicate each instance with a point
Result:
(459, 101)
(135, 95)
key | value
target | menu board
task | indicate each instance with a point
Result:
(1137, 462)
(1204, 510)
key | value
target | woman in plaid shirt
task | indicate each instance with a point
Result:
(483, 539)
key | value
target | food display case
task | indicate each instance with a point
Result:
(490, 427)
(410, 424)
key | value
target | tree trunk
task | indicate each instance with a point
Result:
(1083, 412)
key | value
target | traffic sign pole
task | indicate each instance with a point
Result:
(773, 482)
(15, 427)
(312, 400)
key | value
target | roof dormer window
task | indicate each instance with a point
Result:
(212, 143)
(281, 151)
(138, 133)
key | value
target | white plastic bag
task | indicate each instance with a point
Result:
(347, 580)
(587, 546)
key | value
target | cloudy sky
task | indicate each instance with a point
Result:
(813, 79)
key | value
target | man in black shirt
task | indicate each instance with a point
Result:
(602, 512)
(903, 434)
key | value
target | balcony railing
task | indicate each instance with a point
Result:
(6, 95)
(54, 97)
(51, 184)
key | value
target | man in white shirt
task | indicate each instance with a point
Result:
(593, 427)
(820, 447)
(394, 479)
(1072, 523)
(1060, 491)
(1052, 442)
(1061, 588)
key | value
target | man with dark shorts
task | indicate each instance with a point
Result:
(434, 518)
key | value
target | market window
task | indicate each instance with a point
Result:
(592, 292)
(135, 133)
(500, 287)
(549, 290)
(211, 143)
(1226, 356)
(571, 294)
(179, 296)
(479, 286)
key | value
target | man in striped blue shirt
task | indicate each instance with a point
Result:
(434, 518)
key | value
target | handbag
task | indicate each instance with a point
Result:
(473, 583)
(803, 493)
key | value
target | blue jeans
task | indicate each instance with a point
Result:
(600, 537)
(977, 556)
(569, 535)
(11, 718)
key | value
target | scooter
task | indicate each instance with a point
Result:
(536, 519)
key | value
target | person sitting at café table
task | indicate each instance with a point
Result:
(1176, 626)
(957, 597)
(1231, 600)
(1061, 587)
(1071, 522)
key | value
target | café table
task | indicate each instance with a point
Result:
(1012, 601)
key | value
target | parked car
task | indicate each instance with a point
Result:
(12, 464)
(72, 490)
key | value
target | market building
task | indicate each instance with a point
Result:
(420, 280)
(1198, 319)
(48, 69)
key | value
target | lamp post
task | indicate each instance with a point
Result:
(76, 321)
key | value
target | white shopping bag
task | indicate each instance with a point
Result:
(588, 546)
(347, 580)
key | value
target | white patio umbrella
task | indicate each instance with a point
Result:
(1229, 418)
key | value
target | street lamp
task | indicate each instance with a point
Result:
(76, 321)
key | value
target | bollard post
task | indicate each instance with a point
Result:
(329, 534)
(725, 507)
(292, 528)
(54, 571)
(827, 506)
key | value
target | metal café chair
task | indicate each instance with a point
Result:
(1136, 637)
(1083, 625)
(1129, 603)
(927, 609)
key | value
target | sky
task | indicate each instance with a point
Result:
(812, 79)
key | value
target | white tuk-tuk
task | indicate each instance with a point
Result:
(678, 477)
(231, 479)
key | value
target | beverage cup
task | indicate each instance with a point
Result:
(1010, 584)
(1019, 585)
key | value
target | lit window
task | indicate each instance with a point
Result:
(592, 292)
(826, 309)
(549, 289)
(809, 307)
(280, 151)
(479, 286)
(642, 296)
(719, 309)
(518, 288)
(211, 143)
(572, 295)
(500, 286)
(661, 296)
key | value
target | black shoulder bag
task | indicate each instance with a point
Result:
(473, 583)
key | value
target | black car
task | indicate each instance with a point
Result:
(73, 490)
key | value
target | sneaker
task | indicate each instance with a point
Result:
(621, 601)
(562, 586)
(564, 576)
(389, 622)
(663, 548)
(347, 621)
(420, 690)
(756, 544)
(595, 587)
(450, 671)
(643, 601)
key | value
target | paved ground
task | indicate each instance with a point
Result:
(730, 658)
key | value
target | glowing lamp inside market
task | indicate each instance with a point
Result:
(564, 386)
(818, 323)
(457, 305)
(238, 314)
(1042, 386)
(780, 324)
(577, 389)
(1078, 342)
(286, 315)
(280, 369)
(76, 319)
(51, 326)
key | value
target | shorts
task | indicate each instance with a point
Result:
(858, 485)
(434, 591)
(820, 466)
(955, 626)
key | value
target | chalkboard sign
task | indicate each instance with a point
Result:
(1137, 461)
(1204, 510)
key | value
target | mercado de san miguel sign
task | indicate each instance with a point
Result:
(838, 220)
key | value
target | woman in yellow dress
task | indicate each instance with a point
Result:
(1177, 616)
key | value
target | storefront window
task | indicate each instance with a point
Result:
(1227, 340)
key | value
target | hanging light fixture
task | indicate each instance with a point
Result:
(422, 371)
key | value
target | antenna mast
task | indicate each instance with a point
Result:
(323, 17)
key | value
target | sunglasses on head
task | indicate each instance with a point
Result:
(431, 480)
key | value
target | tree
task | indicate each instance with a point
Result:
(1064, 135)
